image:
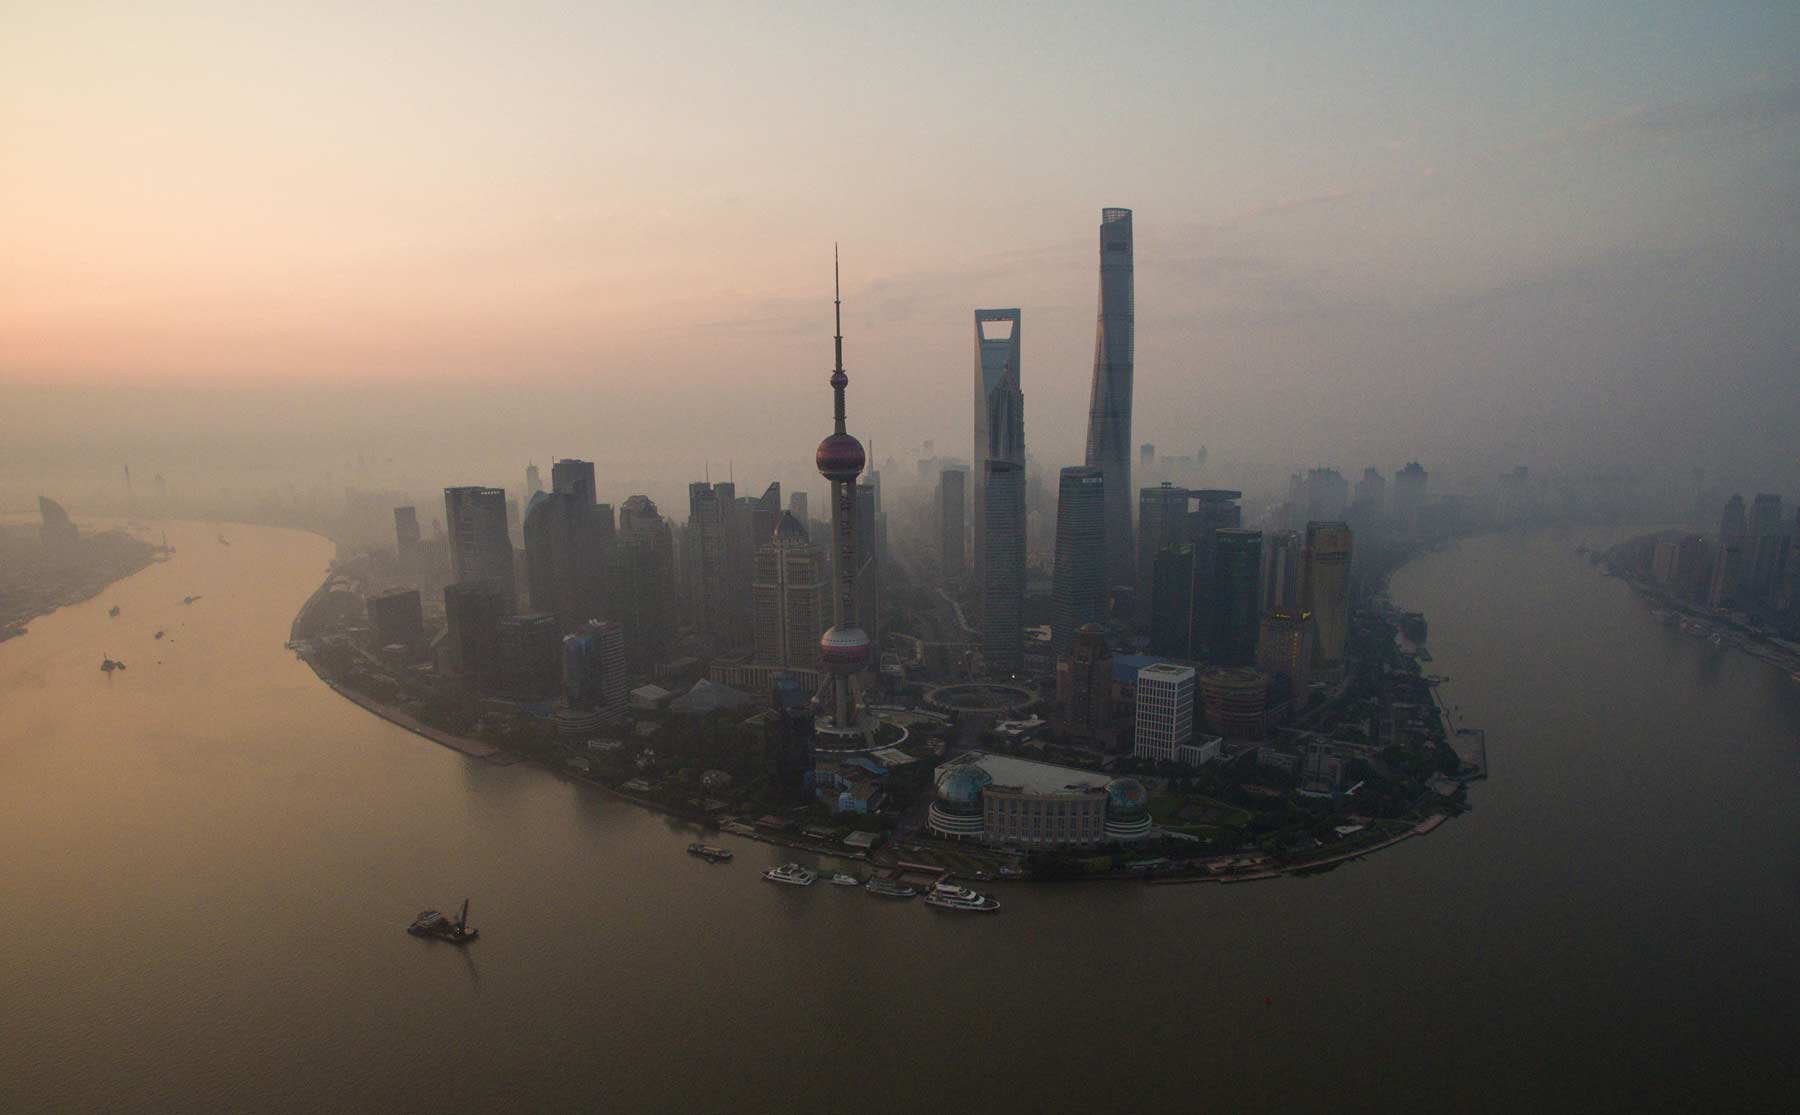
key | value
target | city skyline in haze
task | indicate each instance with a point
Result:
(1540, 235)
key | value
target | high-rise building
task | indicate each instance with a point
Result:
(1109, 404)
(1172, 601)
(1284, 651)
(952, 513)
(1371, 493)
(1003, 568)
(1162, 521)
(1078, 584)
(575, 477)
(1281, 570)
(642, 572)
(1765, 548)
(797, 508)
(534, 481)
(480, 544)
(1084, 682)
(472, 614)
(1326, 593)
(594, 668)
(531, 656)
(1327, 494)
(1410, 484)
(999, 411)
(789, 594)
(1165, 710)
(397, 617)
(1237, 599)
(845, 650)
(714, 551)
(1214, 509)
(1728, 565)
(406, 534)
(550, 555)
(788, 738)
(1236, 699)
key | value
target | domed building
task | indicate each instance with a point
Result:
(1127, 810)
(1002, 800)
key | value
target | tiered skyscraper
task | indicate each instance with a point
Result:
(1109, 407)
(844, 650)
(788, 597)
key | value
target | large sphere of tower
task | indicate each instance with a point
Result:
(840, 458)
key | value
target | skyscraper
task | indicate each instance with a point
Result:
(594, 668)
(642, 570)
(534, 481)
(1003, 568)
(1237, 604)
(788, 597)
(575, 477)
(952, 511)
(711, 545)
(999, 411)
(1109, 405)
(531, 656)
(844, 650)
(1172, 601)
(797, 507)
(1410, 484)
(406, 534)
(1162, 521)
(472, 614)
(1281, 570)
(1284, 651)
(1078, 585)
(550, 555)
(480, 546)
(1214, 509)
(1327, 589)
(1728, 566)
(1084, 681)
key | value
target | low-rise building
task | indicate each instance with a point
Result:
(1000, 799)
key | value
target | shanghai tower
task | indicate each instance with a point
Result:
(1109, 406)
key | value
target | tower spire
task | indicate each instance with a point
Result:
(838, 378)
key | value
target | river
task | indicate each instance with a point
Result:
(210, 857)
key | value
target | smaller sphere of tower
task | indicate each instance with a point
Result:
(840, 458)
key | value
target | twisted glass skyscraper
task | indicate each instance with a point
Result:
(1109, 407)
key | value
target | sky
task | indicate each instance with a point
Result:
(468, 235)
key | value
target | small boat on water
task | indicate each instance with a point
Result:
(113, 612)
(159, 633)
(710, 853)
(108, 665)
(790, 874)
(189, 599)
(949, 896)
(887, 888)
(839, 879)
(432, 924)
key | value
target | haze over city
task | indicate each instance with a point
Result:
(908, 557)
(1542, 234)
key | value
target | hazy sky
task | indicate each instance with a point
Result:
(1557, 232)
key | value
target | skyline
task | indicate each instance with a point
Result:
(1535, 236)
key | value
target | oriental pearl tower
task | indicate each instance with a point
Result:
(842, 723)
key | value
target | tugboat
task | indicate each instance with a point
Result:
(430, 923)
(791, 874)
(887, 888)
(949, 896)
(709, 853)
(108, 665)
(839, 879)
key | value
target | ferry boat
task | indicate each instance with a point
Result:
(792, 874)
(430, 923)
(108, 665)
(839, 879)
(887, 888)
(709, 853)
(949, 896)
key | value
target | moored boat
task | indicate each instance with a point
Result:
(887, 888)
(949, 896)
(790, 874)
(710, 853)
(839, 879)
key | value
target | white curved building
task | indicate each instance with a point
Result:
(999, 799)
